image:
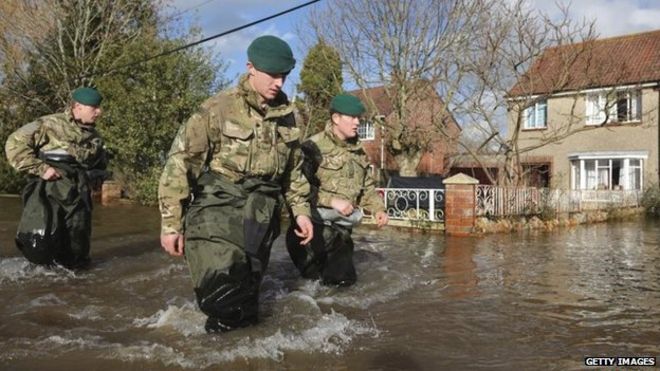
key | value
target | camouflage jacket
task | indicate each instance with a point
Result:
(58, 131)
(234, 135)
(339, 169)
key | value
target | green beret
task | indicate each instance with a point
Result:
(87, 96)
(271, 54)
(347, 105)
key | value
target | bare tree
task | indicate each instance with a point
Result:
(67, 41)
(522, 58)
(402, 46)
(500, 85)
(484, 59)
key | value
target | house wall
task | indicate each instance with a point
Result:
(571, 110)
(373, 149)
(433, 161)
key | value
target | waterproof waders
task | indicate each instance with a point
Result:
(229, 230)
(329, 256)
(55, 226)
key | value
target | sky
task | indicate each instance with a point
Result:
(612, 17)
(217, 16)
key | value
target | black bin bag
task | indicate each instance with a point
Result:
(55, 226)
(38, 235)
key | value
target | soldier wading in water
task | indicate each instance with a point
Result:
(237, 157)
(337, 169)
(64, 157)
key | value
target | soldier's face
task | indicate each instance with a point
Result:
(85, 114)
(266, 84)
(345, 127)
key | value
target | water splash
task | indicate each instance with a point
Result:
(331, 334)
(186, 319)
(91, 312)
(17, 270)
(167, 271)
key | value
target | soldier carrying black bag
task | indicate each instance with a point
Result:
(63, 155)
(337, 169)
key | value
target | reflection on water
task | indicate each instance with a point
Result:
(526, 301)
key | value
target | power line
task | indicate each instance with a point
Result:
(171, 51)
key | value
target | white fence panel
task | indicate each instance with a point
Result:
(503, 201)
(415, 204)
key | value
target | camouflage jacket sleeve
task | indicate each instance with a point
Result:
(185, 160)
(22, 147)
(296, 186)
(370, 199)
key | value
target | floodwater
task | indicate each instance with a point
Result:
(527, 301)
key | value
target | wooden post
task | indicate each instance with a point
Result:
(460, 204)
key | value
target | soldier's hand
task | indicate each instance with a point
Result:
(305, 229)
(172, 243)
(344, 207)
(381, 218)
(50, 174)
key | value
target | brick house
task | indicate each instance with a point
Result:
(590, 111)
(425, 112)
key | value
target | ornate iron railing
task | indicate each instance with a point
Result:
(503, 201)
(415, 204)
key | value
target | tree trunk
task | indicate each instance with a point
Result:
(408, 163)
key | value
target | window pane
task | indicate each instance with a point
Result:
(595, 108)
(636, 104)
(603, 178)
(541, 114)
(366, 130)
(638, 179)
(603, 107)
(529, 117)
(622, 108)
(635, 177)
(590, 170)
(617, 174)
(575, 167)
(535, 116)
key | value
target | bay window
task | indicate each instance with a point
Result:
(607, 171)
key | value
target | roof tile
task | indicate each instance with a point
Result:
(622, 60)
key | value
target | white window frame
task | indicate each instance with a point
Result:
(536, 116)
(597, 106)
(591, 171)
(633, 102)
(366, 131)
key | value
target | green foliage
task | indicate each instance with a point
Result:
(143, 187)
(651, 199)
(320, 80)
(12, 181)
(143, 106)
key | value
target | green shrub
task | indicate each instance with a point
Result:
(651, 199)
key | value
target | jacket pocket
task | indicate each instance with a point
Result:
(332, 163)
(235, 148)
